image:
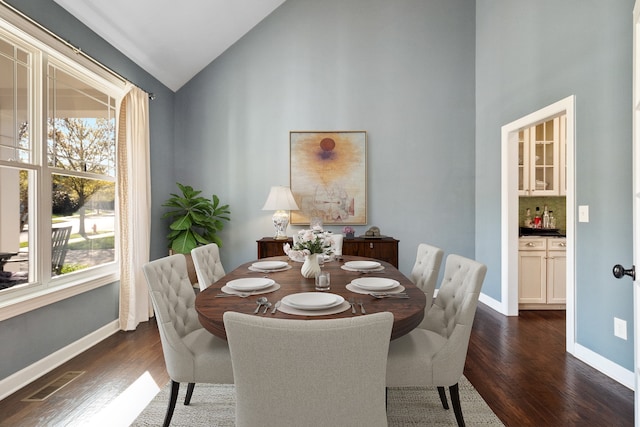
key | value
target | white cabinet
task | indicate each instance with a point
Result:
(542, 273)
(542, 159)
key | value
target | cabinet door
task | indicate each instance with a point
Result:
(539, 159)
(556, 277)
(268, 247)
(532, 272)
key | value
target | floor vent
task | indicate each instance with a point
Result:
(45, 392)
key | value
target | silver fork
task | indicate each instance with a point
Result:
(361, 307)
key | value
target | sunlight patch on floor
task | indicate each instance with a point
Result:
(125, 408)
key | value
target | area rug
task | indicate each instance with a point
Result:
(214, 405)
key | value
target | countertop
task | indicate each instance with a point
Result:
(541, 232)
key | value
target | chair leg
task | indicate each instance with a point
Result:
(455, 401)
(386, 398)
(187, 398)
(175, 386)
(443, 398)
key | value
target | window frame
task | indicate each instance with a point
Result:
(45, 49)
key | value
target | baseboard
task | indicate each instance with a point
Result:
(606, 366)
(492, 303)
(25, 376)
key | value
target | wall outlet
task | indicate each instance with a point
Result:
(620, 328)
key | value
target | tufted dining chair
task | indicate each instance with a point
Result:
(434, 353)
(206, 260)
(316, 373)
(191, 353)
(426, 269)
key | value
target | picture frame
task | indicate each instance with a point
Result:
(328, 176)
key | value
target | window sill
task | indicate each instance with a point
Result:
(34, 300)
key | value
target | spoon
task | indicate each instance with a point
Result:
(260, 301)
(266, 307)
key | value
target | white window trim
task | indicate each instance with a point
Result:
(25, 299)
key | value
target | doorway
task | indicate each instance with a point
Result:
(510, 203)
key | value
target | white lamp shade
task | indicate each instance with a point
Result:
(280, 199)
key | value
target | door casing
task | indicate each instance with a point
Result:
(509, 204)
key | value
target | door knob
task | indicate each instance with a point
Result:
(619, 271)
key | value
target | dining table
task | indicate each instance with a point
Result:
(408, 311)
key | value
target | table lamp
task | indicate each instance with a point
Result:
(280, 200)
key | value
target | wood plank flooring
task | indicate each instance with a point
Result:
(518, 365)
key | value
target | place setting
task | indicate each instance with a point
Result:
(269, 266)
(378, 287)
(248, 286)
(362, 266)
(313, 304)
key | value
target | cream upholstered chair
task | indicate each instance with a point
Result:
(426, 269)
(206, 260)
(434, 353)
(309, 372)
(191, 353)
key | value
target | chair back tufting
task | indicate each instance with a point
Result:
(426, 269)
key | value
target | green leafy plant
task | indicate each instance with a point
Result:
(195, 219)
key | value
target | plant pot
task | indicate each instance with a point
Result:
(350, 235)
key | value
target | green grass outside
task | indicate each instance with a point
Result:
(98, 243)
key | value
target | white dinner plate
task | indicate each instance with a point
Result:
(269, 265)
(250, 283)
(312, 300)
(362, 265)
(375, 283)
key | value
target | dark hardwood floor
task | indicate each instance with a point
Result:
(518, 365)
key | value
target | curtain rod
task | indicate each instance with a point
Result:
(75, 49)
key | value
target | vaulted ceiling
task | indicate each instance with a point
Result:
(171, 40)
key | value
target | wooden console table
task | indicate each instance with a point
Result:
(385, 248)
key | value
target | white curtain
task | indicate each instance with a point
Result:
(134, 190)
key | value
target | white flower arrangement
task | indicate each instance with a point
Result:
(312, 241)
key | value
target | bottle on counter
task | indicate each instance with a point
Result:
(537, 221)
(527, 219)
(552, 220)
(545, 218)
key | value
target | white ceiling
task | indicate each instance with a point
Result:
(172, 43)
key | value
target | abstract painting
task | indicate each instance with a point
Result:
(329, 176)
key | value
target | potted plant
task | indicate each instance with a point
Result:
(195, 219)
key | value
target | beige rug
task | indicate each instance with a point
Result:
(214, 405)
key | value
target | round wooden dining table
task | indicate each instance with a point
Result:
(407, 312)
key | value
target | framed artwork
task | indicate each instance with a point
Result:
(329, 176)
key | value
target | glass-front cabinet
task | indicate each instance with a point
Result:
(541, 157)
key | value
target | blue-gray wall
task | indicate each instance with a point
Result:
(531, 54)
(401, 71)
(37, 334)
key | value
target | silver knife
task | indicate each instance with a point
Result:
(275, 307)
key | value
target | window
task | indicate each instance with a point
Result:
(57, 169)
